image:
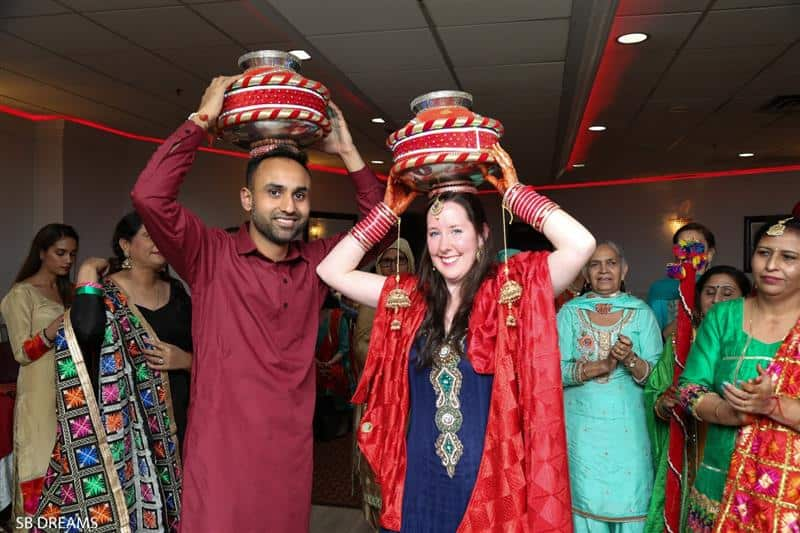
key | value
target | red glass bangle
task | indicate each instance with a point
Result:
(371, 229)
(530, 206)
(35, 347)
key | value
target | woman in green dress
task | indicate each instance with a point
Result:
(717, 284)
(609, 341)
(725, 384)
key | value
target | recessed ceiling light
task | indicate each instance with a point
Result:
(578, 165)
(378, 120)
(300, 54)
(597, 127)
(632, 38)
(746, 154)
(376, 162)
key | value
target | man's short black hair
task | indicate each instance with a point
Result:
(287, 152)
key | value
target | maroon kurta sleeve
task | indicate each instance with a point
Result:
(178, 233)
(369, 191)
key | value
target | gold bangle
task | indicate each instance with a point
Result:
(716, 409)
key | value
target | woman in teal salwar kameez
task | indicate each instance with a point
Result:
(717, 284)
(609, 341)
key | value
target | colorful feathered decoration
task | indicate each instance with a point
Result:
(692, 252)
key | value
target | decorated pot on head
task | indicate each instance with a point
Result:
(273, 104)
(443, 147)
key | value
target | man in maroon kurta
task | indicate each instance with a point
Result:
(255, 302)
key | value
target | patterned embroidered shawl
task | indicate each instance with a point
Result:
(762, 492)
(115, 466)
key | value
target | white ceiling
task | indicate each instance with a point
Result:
(686, 99)
(689, 97)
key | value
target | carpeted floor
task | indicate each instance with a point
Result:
(326, 519)
(332, 485)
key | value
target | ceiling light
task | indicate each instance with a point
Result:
(300, 54)
(597, 127)
(378, 120)
(746, 154)
(677, 222)
(632, 38)
(376, 162)
(578, 165)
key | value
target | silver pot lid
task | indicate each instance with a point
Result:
(441, 98)
(262, 58)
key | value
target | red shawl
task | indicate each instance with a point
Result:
(762, 492)
(523, 478)
(690, 256)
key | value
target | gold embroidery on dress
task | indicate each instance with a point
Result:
(603, 337)
(699, 500)
(446, 379)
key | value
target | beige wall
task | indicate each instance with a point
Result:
(16, 194)
(638, 216)
(98, 169)
(54, 172)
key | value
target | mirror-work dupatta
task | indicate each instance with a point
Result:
(115, 465)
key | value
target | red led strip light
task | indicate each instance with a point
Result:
(337, 170)
(144, 138)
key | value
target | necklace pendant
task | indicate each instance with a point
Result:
(602, 309)
(444, 351)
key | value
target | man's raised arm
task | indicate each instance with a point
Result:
(178, 233)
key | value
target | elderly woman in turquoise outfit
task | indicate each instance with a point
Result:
(609, 341)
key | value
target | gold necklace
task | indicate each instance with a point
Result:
(749, 333)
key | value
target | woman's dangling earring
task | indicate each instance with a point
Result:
(479, 254)
(127, 264)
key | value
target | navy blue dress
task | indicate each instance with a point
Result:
(432, 501)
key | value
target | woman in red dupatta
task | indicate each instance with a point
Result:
(464, 424)
(742, 377)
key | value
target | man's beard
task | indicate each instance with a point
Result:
(266, 227)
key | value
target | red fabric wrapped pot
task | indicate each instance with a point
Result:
(444, 144)
(273, 101)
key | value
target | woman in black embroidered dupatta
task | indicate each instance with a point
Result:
(116, 465)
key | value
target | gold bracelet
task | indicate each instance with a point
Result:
(716, 409)
(578, 373)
